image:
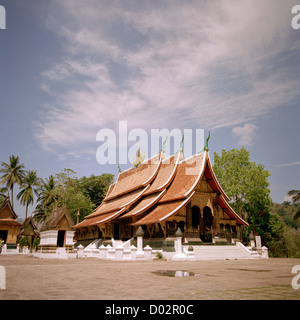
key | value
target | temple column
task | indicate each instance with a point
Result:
(189, 226)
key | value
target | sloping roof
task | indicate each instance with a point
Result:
(146, 203)
(7, 214)
(99, 219)
(163, 211)
(157, 190)
(29, 228)
(56, 217)
(10, 222)
(135, 178)
(227, 208)
(6, 210)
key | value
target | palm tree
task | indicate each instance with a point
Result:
(30, 182)
(3, 192)
(47, 196)
(13, 173)
(295, 194)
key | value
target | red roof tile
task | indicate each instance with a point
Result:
(146, 203)
(187, 176)
(135, 178)
(118, 203)
(97, 220)
(163, 211)
(165, 174)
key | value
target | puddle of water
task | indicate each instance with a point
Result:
(174, 273)
(255, 270)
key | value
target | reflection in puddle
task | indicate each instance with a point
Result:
(174, 273)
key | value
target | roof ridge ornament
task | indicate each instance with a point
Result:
(206, 143)
(163, 149)
(139, 159)
(119, 168)
(180, 149)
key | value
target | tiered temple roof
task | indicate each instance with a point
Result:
(7, 214)
(157, 190)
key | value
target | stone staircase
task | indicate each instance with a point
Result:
(222, 252)
(61, 253)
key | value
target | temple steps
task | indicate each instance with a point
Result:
(216, 252)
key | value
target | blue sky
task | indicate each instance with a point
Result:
(70, 68)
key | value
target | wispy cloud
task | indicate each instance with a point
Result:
(159, 64)
(290, 164)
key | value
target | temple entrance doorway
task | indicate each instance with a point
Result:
(181, 226)
(61, 238)
(117, 231)
(3, 235)
(196, 220)
(207, 219)
(207, 224)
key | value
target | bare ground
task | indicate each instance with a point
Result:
(91, 278)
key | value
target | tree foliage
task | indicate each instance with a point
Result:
(295, 194)
(246, 184)
(286, 212)
(28, 187)
(80, 195)
(13, 172)
(95, 186)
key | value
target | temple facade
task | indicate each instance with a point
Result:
(161, 195)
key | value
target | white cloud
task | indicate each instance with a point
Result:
(165, 64)
(245, 133)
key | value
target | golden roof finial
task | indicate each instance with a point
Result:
(139, 158)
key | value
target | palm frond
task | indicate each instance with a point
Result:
(295, 195)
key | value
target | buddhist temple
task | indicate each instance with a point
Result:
(161, 195)
(9, 227)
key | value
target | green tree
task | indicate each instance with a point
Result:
(3, 192)
(12, 173)
(295, 194)
(78, 202)
(63, 189)
(47, 197)
(246, 184)
(29, 184)
(95, 187)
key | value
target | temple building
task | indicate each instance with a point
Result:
(161, 195)
(29, 231)
(56, 235)
(9, 226)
